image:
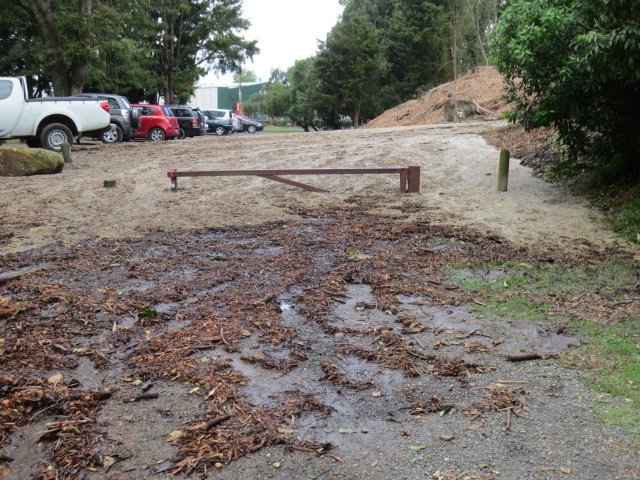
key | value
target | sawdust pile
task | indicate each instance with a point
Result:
(483, 85)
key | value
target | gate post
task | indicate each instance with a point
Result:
(414, 180)
(503, 171)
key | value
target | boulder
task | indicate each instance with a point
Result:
(22, 161)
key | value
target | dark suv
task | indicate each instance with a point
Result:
(120, 110)
(191, 120)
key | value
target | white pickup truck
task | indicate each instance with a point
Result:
(48, 122)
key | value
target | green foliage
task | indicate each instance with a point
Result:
(193, 37)
(255, 105)
(522, 290)
(611, 362)
(383, 52)
(245, 76)
(416, 46)
(573, 64)
(497, 277)
(278, 100)
(54, 42)
(349, 69)
(125, 64)
(136, 47)
(295, 95)
(278, 76)
(626, 216)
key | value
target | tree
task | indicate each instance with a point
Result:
(349, 68)
(304, 97)
(573, 65)
(124, 63)
(245, 76)
(415, 46)
(62, 38)
(17, 53)
(278, 76)
(196, 36)
(294, 95)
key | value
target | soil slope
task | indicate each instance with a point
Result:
(482, 85)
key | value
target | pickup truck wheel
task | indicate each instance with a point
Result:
(157, 134)
(54, 135)
(112, 136)
(220, 130)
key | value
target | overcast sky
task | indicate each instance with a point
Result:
(286, 31)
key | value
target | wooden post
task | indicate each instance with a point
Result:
(66, 152)
(503, 171)
(404, 173)
(414, 180)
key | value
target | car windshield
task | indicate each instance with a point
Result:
(167, 111)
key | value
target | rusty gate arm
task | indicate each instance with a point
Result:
(409, 176)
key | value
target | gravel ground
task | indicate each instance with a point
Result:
(104, 253)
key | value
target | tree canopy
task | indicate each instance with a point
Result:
(135, 47)
(575, 65)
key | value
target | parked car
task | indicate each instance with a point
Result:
(50, 121)
(191, 120)
(120, 111)
(220, 122)
(246, 124)
(155, 122)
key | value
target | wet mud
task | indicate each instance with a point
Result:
(325, 344)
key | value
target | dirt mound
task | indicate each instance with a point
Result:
(481, 90)
(483, 86)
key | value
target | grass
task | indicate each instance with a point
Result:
(497, 277)
(626, 216)
(610, 360)
(276, 129)
(610, 364)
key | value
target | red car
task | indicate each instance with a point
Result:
(155, 122)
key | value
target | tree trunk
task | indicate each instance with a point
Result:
(355, 117)
(79, 65)
(67, 79)
(477, 26)
(455, 30)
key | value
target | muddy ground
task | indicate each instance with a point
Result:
(240, 328)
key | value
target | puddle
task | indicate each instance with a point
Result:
(89, 376)
(266, 388)
(166, 307)
(137, 432)
(504, 336)
(269, 388)
(359, 310)
(136, 285)
(443, 244)
(28, 455)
